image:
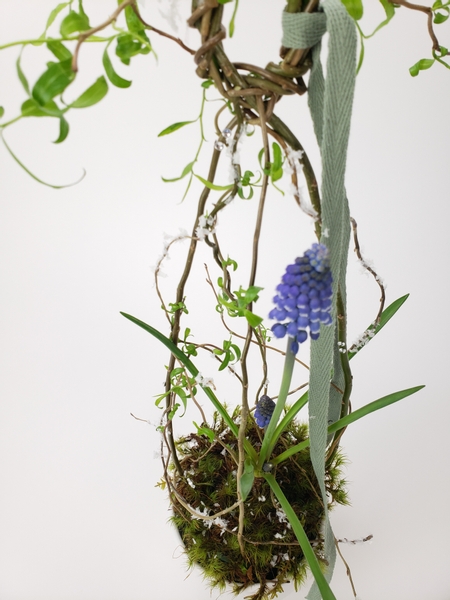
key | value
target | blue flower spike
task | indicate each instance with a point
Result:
(303, 301)
(264, 411)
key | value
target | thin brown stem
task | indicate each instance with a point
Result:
(369, 269)
(348, 571)
(427, 10)
(162, 33)
(180, 295)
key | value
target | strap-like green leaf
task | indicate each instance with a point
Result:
(351, 418)
(300, 534)
(385, 317)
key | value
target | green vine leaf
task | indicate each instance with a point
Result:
(54, 13)
(23, 80)
(203, 430)
(354, 8)
(114, 77)
(63, 130)
(73, 23)
(175, 127)
(31, 108)
(421, 65)
(441, 17)
(247, 479)
(135, 25)
(59, 50)
(389, 8)
(213, 186)
(187, 169)
(53, 82)
(96, 92)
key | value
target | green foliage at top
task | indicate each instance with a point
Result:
(47, 96)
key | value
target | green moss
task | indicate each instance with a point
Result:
(272, 554)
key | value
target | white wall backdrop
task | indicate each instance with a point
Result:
(80, 516)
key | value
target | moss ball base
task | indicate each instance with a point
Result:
(272, 554)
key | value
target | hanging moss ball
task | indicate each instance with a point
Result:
(272, 555)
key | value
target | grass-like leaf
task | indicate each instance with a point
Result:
(351, 418)
(386, 316)
(300, 534)
(194, 371)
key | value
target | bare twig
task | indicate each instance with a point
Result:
(369, 269)
(427, 10)
(348, 571)
(162, 33)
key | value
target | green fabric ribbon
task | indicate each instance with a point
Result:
(330, 103)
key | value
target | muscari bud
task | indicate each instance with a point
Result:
(264, 411)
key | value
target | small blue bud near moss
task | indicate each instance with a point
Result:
(264, 411)
(303, 301)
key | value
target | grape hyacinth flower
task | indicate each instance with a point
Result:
(264, 411)
(304, 297)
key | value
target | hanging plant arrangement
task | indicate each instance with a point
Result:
(250, 491)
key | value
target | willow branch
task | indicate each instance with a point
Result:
(161, 33)
(83, 36)
(427, 10)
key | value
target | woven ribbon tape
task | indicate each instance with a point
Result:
(303, 30)
(330, 102)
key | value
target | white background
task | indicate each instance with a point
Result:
(80, 516)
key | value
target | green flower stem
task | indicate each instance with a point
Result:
(300, 534)
(291, 413)
(269, 437)
(342, 337)
(351, 418)
(4, 125)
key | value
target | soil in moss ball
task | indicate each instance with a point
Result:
(272, 553)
